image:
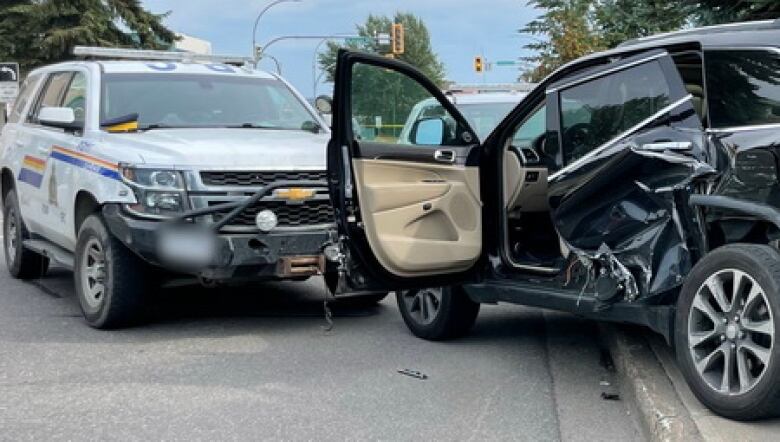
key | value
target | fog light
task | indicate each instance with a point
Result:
(266, 220)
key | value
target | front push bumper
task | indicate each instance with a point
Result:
(239, 256)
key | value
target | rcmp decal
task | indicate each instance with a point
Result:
(33, 168)
(84, 161)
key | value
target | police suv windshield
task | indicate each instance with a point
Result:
(202, 101)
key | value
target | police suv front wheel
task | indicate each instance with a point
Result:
(728, 318)
(437, 313)
(111, 282)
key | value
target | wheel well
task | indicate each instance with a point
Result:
(7, 182)
(86, 205)
(723, 232)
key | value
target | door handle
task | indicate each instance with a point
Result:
(668, 145)
(444, 156)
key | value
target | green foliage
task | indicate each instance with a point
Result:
(569, 31)
(712, 12)
(621, 20)
(45, 31)
(418, 51)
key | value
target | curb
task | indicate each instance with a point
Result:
(647, 388)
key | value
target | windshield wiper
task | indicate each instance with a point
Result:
(252, 126)
(156, 126)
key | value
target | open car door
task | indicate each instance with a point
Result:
(405, 188)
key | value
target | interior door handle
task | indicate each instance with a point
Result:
(668, 145)
(444, 156)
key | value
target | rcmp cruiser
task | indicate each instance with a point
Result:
(98, 155)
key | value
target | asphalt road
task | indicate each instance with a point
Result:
(256, 363)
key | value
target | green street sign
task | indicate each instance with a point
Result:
(357, 40)
(505, 63)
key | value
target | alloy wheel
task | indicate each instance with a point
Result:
(93, 273)
(731, 332)
(423, 305)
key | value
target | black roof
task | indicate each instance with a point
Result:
(756, 33)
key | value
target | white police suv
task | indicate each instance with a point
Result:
(102, 158)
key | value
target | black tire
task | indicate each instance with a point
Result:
(126, 278)
(21, 262)
(759, 396)
(453, 318)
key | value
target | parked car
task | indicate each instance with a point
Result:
(100, 157)
(637, 185)
(482, 111)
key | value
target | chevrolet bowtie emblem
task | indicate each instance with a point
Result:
(295, 194)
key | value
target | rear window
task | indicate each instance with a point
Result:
(743, 87)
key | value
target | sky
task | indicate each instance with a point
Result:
(460, 30)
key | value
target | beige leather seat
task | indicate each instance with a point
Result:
(699, 101)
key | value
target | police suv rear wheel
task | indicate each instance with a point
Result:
(728, 316)
(111, 282)
(437, 313)
(22, 263)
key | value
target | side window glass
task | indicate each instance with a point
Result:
(386, 108)
(599, 110)
(531, 133)
(51, 96)
(743, 87)
(27, 89)
(76, 96)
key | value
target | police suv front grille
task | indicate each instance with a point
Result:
(244, 178)
(289, 215)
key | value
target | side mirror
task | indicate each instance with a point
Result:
(324, 104)
(59, 117)
(428, 132)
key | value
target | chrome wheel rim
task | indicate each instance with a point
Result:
(11, 237)
(423, 305)
(93, 273)
(731, 332)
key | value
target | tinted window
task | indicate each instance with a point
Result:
(743, 87)
(75, 97)
(51, 96)
(595, 112)
(183, 100)
(25, 93)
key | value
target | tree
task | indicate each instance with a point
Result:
(712, 12)
(39, 32)
(569, 31)
(621, 20)
(417, 52)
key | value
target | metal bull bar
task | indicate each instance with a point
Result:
(236, 207)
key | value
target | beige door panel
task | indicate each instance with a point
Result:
(420, 218)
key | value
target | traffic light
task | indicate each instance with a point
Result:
(397, 38)
(479, 66)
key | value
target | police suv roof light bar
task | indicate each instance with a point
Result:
(149, 55)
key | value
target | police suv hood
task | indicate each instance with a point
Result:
(222, 149)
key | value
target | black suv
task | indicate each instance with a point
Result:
(638, 185)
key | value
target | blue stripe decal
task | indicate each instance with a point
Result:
(30, 177)
(78, 162)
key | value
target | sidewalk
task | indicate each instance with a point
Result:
(666, 406)
(710, 426)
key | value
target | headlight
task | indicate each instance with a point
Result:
(160, 193)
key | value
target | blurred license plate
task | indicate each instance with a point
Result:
(187, 246)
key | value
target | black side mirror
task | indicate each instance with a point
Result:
(428, 132)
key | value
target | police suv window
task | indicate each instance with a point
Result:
(51, 96)
(75, 97)
(743, 87)
(27, 89)
(599, 110)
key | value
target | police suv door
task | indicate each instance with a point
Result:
(408, 208)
